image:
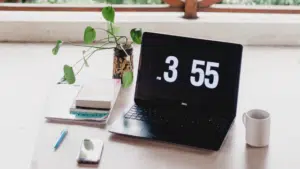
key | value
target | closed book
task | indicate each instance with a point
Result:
(98, 95)
(62, 97)
(88, 111)
(58, 107)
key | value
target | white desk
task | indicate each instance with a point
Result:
(269, 80)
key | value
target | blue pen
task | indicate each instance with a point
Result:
(60, 139)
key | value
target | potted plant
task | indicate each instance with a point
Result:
(122, 46)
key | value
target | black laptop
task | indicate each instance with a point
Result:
(186, 91)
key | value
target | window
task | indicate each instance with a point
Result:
(98, 1)
(275, 22)
(240, 6)
(241, 2)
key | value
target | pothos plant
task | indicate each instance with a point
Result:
(91, 42)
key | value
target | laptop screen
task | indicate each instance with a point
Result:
(182, 71)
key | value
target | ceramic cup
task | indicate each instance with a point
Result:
(257, 123)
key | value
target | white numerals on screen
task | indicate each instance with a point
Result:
(173, 63)
(214, 73)
(198, 75)
(202, 72)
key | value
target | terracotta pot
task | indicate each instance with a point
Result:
(121, 61)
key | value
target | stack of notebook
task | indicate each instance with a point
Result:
(89, 103)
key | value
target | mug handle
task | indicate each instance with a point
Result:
(244, 119)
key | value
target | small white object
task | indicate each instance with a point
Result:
(158, 78)
(257, 123)
(90, 151)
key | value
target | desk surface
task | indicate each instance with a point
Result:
(269, 80)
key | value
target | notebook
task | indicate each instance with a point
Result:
(87, 111)
(62, 98)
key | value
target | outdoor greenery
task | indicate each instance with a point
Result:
(244, 2)
(94, 44)
(155, 2)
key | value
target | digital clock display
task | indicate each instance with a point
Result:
(187, 71)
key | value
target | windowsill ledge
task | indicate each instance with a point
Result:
(248, 29)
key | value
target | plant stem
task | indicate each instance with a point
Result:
(99, 48)
(124, 51)
(110, 34)
(87, 58)
(111, 28)
(90, 54)
(88, 50)
(104, 40)
(127, 56)
(120, 37)
(86, 45)
(80, 69)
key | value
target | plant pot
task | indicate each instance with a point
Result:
(122, 62)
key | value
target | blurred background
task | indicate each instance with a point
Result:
(154, 2)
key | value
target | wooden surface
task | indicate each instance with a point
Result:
(269, 80)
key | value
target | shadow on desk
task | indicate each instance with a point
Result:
(156, 144)
(256, 157)
(88, 165)
(102, 126)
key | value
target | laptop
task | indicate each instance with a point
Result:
(186, 91)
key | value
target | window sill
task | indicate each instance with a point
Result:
(245, 28)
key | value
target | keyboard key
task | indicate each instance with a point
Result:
(130, 113)
(127, 115)
(176, 121)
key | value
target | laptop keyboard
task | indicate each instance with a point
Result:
(180, 118)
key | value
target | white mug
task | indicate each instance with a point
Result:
(257, 123)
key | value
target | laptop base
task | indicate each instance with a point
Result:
(208, 135)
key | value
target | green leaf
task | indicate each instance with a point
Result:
(136, 35)
(52, 1)
(89, 35)
(127, 79)
(108, 13)
(56, 48)
(69, 74)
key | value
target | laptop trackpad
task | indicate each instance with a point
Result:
(133, 126)
(127, 127)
